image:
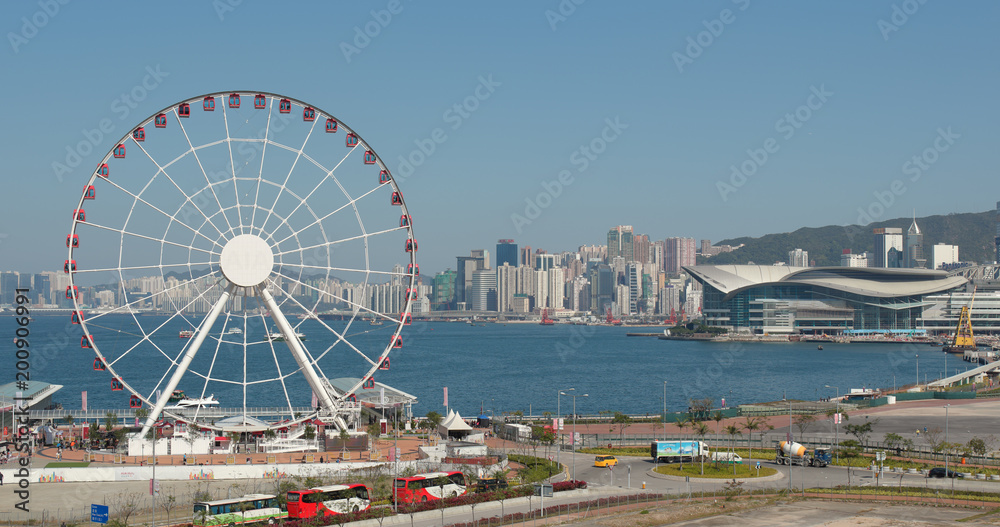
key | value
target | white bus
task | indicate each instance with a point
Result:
(235, 511)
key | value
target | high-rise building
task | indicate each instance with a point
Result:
(483, 282)
(544, 262)
(798, 258)
(527, 259)
(556, 288)
(40, 288)
(444, 290)
(913, 257)
(620, 243)
(8, 287)
(677, 253)
(633, 280)
(466, 266)
(541, 289)
(506, 287)
(602, 288)
(996, 240)
(847, 259)
(942, 254)
(888, 239)
(706, 247)
(506, 253)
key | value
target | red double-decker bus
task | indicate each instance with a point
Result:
(429, 487)
(328, 501)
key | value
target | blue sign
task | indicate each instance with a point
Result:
(99, 513)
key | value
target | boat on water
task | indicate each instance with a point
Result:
(192, 402)
(277, 336)
(234, 331)
(375, 322)
(186, 334)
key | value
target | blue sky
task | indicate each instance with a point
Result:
(865, 97)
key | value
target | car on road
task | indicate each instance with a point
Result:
(605, 461)
(488, 484)
(939, 472)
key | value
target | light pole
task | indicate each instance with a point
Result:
(836, 421)
(558, 426)
(664, 410)
(917, 356)
(573, 440)
(946, 474)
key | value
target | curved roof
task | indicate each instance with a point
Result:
(866, 281)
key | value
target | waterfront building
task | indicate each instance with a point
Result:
(785, 299)
(444, 290)
(541, 289)
(467, 265)
(633, 280)
(506, 287)
(888, 240)
(8, 287)
(602, 288)
(556, 288)
(678, 253)
(942, 313)
(521, 303)
(484, 282)
(579, 294)
(943, 254)
(506, 253)
(798, 258)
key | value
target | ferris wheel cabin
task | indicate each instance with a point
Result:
(160, 121)
(103, 170)
(285, 106)
(405, 220)
(76, 317)
(184, 110)
(80, 215)
(99, 365)
(383, 177)
(370, 157)
(69, 265)
(351, 141)
(134, 402)
(384, 365)
(116, 385)
(72, 293)
(73, 240)
(234, 100)
(413, 269)
(89, 192)
(331, 126)
(260, 101)
(87, 343)
(139, 134)
(308, 114)
(208, 104)
(119, 152)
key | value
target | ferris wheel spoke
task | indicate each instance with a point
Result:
(171, 217)
(260, 175)
(194, 152)
(150, 238)
(345, 269)
(140, 267)
(187, 199)
(182, 367)
(229, 143)
(364, 236)
(352, 203)
(329, 175)
(127, 307)
(146, 336)
(283, 186)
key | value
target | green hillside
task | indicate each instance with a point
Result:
(972, 232)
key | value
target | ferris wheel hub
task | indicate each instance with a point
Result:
(246, 260)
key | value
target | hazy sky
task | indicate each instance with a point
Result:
(546, 122)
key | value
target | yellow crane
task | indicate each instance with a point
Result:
(964, 341)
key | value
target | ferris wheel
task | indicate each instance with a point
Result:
(247, 247)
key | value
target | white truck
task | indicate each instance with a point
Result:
(726, 457)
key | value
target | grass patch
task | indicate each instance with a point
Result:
(68, 464)
(921, 492)
(723, 472)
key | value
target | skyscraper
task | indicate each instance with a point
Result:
(620, 243)
(914, 256)
(887, 239)
(506, 253)
(997, 238)
(677, 253)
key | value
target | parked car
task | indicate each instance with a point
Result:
(939, 472)
(605, 461)
(488, 484)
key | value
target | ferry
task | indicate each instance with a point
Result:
(277, 336)
(234, 331)
(190, 402)
(186, 334)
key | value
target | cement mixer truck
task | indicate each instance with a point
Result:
(791, 453)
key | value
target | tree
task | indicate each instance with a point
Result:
(125, 504)
(621, 420)
(861, 432)
(682, 424)
(433, 419)
(933, 438)
(167, 503)
(804, 422)
(700, 430)
(751, 425)
(110, 419)
(977, 446)
(733, 431)
(309, 433)
(701, 408)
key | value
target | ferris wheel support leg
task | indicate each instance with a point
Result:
(295, 346)
(192, 350)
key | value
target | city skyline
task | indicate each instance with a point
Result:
(525, 126)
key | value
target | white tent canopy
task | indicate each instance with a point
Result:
(454, 426)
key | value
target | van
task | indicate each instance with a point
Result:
(726, 457)
(605, 461)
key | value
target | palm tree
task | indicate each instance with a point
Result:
(682, 424)
(733, 431)
(700, 429)
(751, 424)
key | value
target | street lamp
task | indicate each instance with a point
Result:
(574, 429)
(946, 474)
(558, 426)
(836, 421)
(918, 371)
(664, 410)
